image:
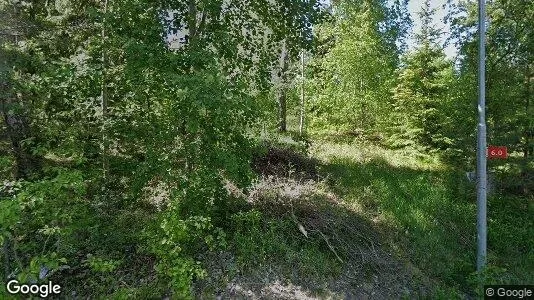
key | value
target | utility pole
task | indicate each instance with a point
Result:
(481, 144)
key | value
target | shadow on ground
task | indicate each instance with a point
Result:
(420, 208)
(298, 240)
(365, 229)
(430, 217)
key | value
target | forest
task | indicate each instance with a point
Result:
(261, 149)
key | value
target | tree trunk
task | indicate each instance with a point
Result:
(527, 134)
(27, 165)
(192, 19)
(282, 106)
(282, 93)
(196, 20)
(7, 260)
(17, 129)
(12, 110)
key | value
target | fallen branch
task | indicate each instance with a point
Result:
(330, 246)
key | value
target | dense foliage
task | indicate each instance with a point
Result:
(105, 119)
(121, 150)
(354, 71)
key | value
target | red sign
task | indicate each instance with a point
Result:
(497, 152)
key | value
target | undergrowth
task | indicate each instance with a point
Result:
(428, 211)
(349, 219)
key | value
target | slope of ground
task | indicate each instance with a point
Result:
(300, 241)
(428, 211)
(364, 223)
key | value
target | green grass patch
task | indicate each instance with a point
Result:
(261, 242)
(428, 210)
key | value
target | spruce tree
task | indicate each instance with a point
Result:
(422, 86)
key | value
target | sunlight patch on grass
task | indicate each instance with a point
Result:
(364, 152)
(428, 210)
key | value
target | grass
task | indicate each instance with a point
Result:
(276, 242)
(428, 212)
(298, 231)
(374, 221)
(267, 247)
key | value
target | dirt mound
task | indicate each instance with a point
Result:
(368, 269)
(284, 162)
